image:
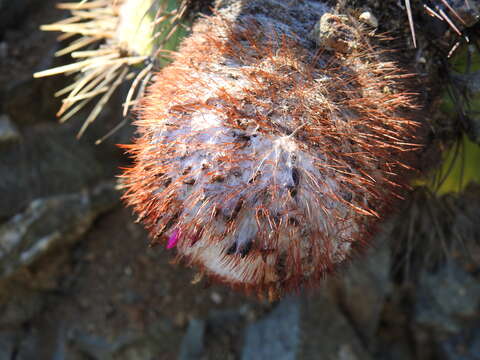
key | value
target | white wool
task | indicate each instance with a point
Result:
(236, 169)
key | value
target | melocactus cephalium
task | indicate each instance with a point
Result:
(273, 145)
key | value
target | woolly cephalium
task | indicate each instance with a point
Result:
(273, 146)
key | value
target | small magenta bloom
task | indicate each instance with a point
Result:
(173, 239)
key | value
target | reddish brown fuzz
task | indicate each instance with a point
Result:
(272, 147)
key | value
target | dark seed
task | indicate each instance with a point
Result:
(235, 211)
(254, 177)
(246, 249)
(217, 178)
(347, 196)
(232, 249)
(292, 190)
(216, 211)
(295, 176)
(280, 266)
(293, 221)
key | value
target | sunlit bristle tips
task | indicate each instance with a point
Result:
(113, 42)
(272, 147)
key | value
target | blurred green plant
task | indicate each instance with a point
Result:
(460, 164)
(113, 42)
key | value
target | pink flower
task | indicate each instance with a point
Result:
(173, 239)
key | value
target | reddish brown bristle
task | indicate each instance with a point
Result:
(266, 158)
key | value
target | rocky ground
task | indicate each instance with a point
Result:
(78, 280)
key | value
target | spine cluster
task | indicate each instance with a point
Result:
(273, 146)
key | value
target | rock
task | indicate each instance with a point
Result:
(17, 98)
(97, 347)
(192, 347)
(327, 334)
(20, 307)
(11, 12)
(464, 346)
(27, 349)
(225, 330)
(46, 342)
(29, 345)
(8, 340)
(446, 299)
(51, 222)
(49, 161)
(333, 33)
(276, 336)
(220, 321)
(362, 289)
(93, 346)
(8, 131)
(3, 50)
(312, 328)
(139, 351)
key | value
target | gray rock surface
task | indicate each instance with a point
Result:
(276, 336)
(363, 287)
(464, 346)
(11, 12)
(8, 130)
(327, 333)
(447, 299)
(51, 222)
(101, 348)
(49, 161)
(193, 342)
(8, 340)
